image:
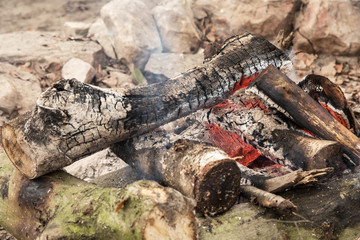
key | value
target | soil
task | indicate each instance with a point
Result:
(26, 15)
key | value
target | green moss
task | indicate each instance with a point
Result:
(91, 211)
(293, 231)
(350, 233)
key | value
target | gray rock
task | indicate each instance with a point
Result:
(172, 64)
(19, 89)
(176, 25)
(99, 32)
(77, 68)
(76, 28)
(132, 30)
(332, 27)
(47, 47)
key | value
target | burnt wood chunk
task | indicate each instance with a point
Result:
(306, 111)
(204, 173)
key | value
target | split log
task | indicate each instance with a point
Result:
(268, 200)
(72, 120)
(296, 178)
(307, 152)
(59, 206)
(205, 173)
(284, 182)
(305, 110)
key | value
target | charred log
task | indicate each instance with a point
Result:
(59, 206)
(72, 119)
(205, 173)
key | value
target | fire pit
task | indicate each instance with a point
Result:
(220, 135)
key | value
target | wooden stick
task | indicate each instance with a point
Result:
(296, 178)
(305, 111)
(72, 120)
(268, 200)
(202, 172)
(59, 206)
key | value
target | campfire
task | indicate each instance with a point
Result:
(235, 125)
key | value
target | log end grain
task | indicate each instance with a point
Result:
(218, 187)
(11, 141)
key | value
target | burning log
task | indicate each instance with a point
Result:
(264, 130)
(205, 173)
(59, 206)
(305, 111)
(72, 120)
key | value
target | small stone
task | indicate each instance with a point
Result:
(76, 28)
(95, 165)
(118, 79)
(78, 69)
(99, 32)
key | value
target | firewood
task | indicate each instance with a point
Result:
(72, 120)
(284, 182)
(59, 206)
(305, 111)
(268, 200)
(204, 173)
(307, 152)
(296, 178)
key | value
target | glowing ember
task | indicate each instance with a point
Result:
(232, 144)
(336, 115)
(243, 83)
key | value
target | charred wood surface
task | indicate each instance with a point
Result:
(205, 173)
(59, 206)
(305, 111)
(72, 119)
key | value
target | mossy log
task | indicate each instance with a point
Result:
(72, 120)
(59, 206)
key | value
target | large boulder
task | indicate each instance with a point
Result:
(231, 17)
(331, 27)
(132, 29)
(177, 28)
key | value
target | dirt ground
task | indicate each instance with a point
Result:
(20, 15)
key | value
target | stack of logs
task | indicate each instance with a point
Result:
(196, 111)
